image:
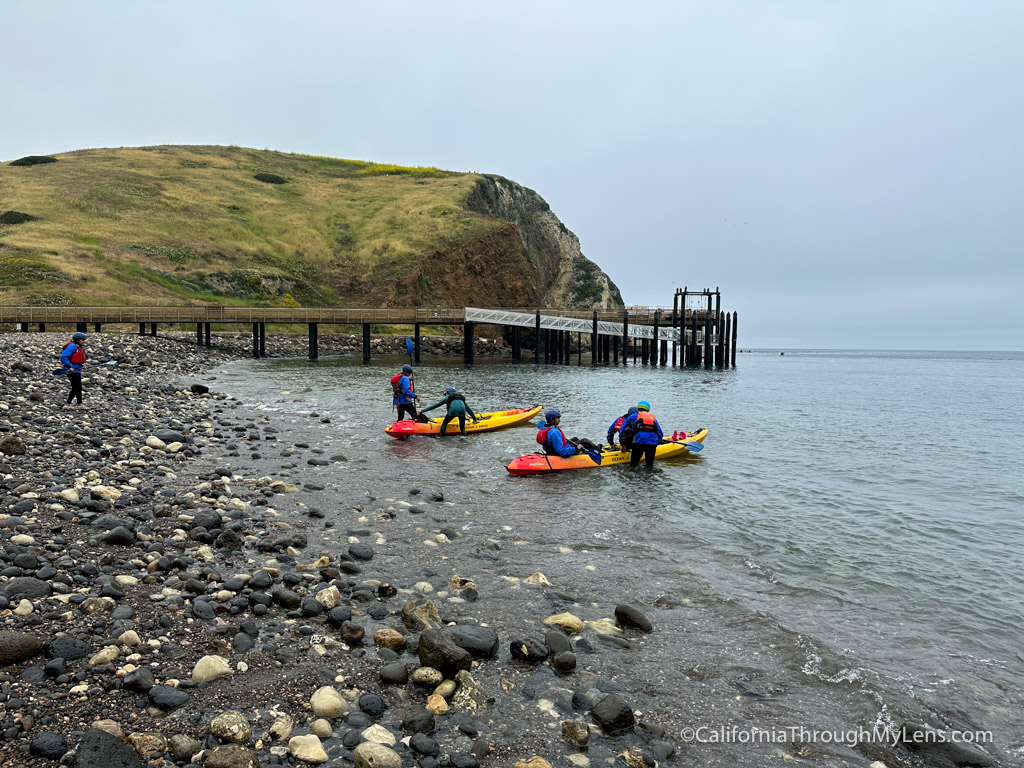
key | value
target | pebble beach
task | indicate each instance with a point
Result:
(186, 580)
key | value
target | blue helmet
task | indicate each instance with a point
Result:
(631, 411)
(449, 390)
(79, 336)
(643, 405)
(552, 414)
(406, 368)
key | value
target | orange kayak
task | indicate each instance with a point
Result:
(541, 463)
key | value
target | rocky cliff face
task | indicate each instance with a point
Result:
(564, 276)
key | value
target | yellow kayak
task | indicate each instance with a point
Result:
(485, 423)
(540, 463)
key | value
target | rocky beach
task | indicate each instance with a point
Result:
(187, 580)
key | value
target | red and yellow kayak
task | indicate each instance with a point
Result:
(540, 463)
(485, 423)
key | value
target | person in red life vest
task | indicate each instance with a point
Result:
(617, 427)
(646, 434)
(402, 392)
(73, 357)
(554, 440)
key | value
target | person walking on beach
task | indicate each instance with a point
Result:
(457, 408)
(646, 434)
(404, 396)
(73, 356)
(625, 439)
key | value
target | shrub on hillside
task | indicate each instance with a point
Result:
(34, 160)
(270, 178)
(16, 217)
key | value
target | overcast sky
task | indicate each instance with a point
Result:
(851, 174)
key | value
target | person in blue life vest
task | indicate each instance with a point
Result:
(555, 443)
(625, 439)
(457, 408)
(404, 396)
(73, 356)
(646, 433)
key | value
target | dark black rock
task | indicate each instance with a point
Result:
(170, 436)
(261, 580)
(98, 749)
(528, 649)
(286, 598)
(27, 586)
(17, 646)
(165, 697)
(628, 616)
(49, 745)
(423, 744)
(564, 662)
(361, 551)
(419, 721)
(120, 537)
(613, 715)
(199, 389)
(372, 704)
(242, 643)
(557, 642)
(204, 610)
(69, 648)
(229, 540)
(459, 760)
(437, 649)
(140, 680)
(339, 615)
(394, 673)
(352, 633)
(481, 642)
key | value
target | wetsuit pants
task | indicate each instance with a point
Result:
(408, 407)
(76, 387)
(639, 450)
(448, 417)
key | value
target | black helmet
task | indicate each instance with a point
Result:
(406, 368)
(78, 336)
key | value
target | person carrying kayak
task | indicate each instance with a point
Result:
(555, 443)
(625, 439)
(457, 408)
(73, 356)
(401, 389)
(646, 433)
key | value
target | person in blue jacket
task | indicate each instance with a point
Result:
(617, 427)
(555, 443)
(646, 434)
(405, 397)
(73, 357)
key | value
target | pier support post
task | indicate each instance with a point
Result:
(517, 344)
(644, 346)
(142, 329)
(735, 328)
(675, 326)
(579, 348)
(256, 340)
(726, 339)
(199, 334)
(615, 351)
(634, 350)
(152, 329)
(625, 336)
(708, 362)
(314, 341)
(366, 342)
(42, 327)
(468, 347)
(664, 353)
(568, 347)
(595, 354)
(719, 350)
(416, 342)
(263, 339)
(81, 327)
(536, 346)
(655, 343)
(606, 349)
(97, 328)
(206, 334)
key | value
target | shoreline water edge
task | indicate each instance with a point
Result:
(188, 580)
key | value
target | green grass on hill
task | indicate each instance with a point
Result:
(169, 224)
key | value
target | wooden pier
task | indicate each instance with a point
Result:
(702, 332)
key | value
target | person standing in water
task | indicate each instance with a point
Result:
(646, 433)
(457, 408)
(73, 356)
(404, 396)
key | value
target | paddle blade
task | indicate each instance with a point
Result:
(409, 347)
(595, 457)
(694, 447)
(61, 371)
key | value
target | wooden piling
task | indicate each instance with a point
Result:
(606, 349)
(256, 340)
(263, 339)
(625, 336)
(366, 342)
(615, 351)
(206, 333)
(719, 362)
(675, 326)
(142, 329)
(199, 334)
(152, 329)
(594, 351)
(469, 349)
(654, 339)
(735, 328)
(97, 328)
(42, 327)
(536, 345)
(725, 340)
(693, 360)
(416, 342)
(517, 344)
(314, 341)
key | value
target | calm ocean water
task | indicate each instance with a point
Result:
(866, 505)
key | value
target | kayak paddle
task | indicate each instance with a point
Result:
(65, 371)
(409, 348)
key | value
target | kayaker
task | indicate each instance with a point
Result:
(404, 396)
(73, 356)
(646, 434)
(555, 443)
(625, 439)
(457, 407)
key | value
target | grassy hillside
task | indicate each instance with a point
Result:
(163, 225)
